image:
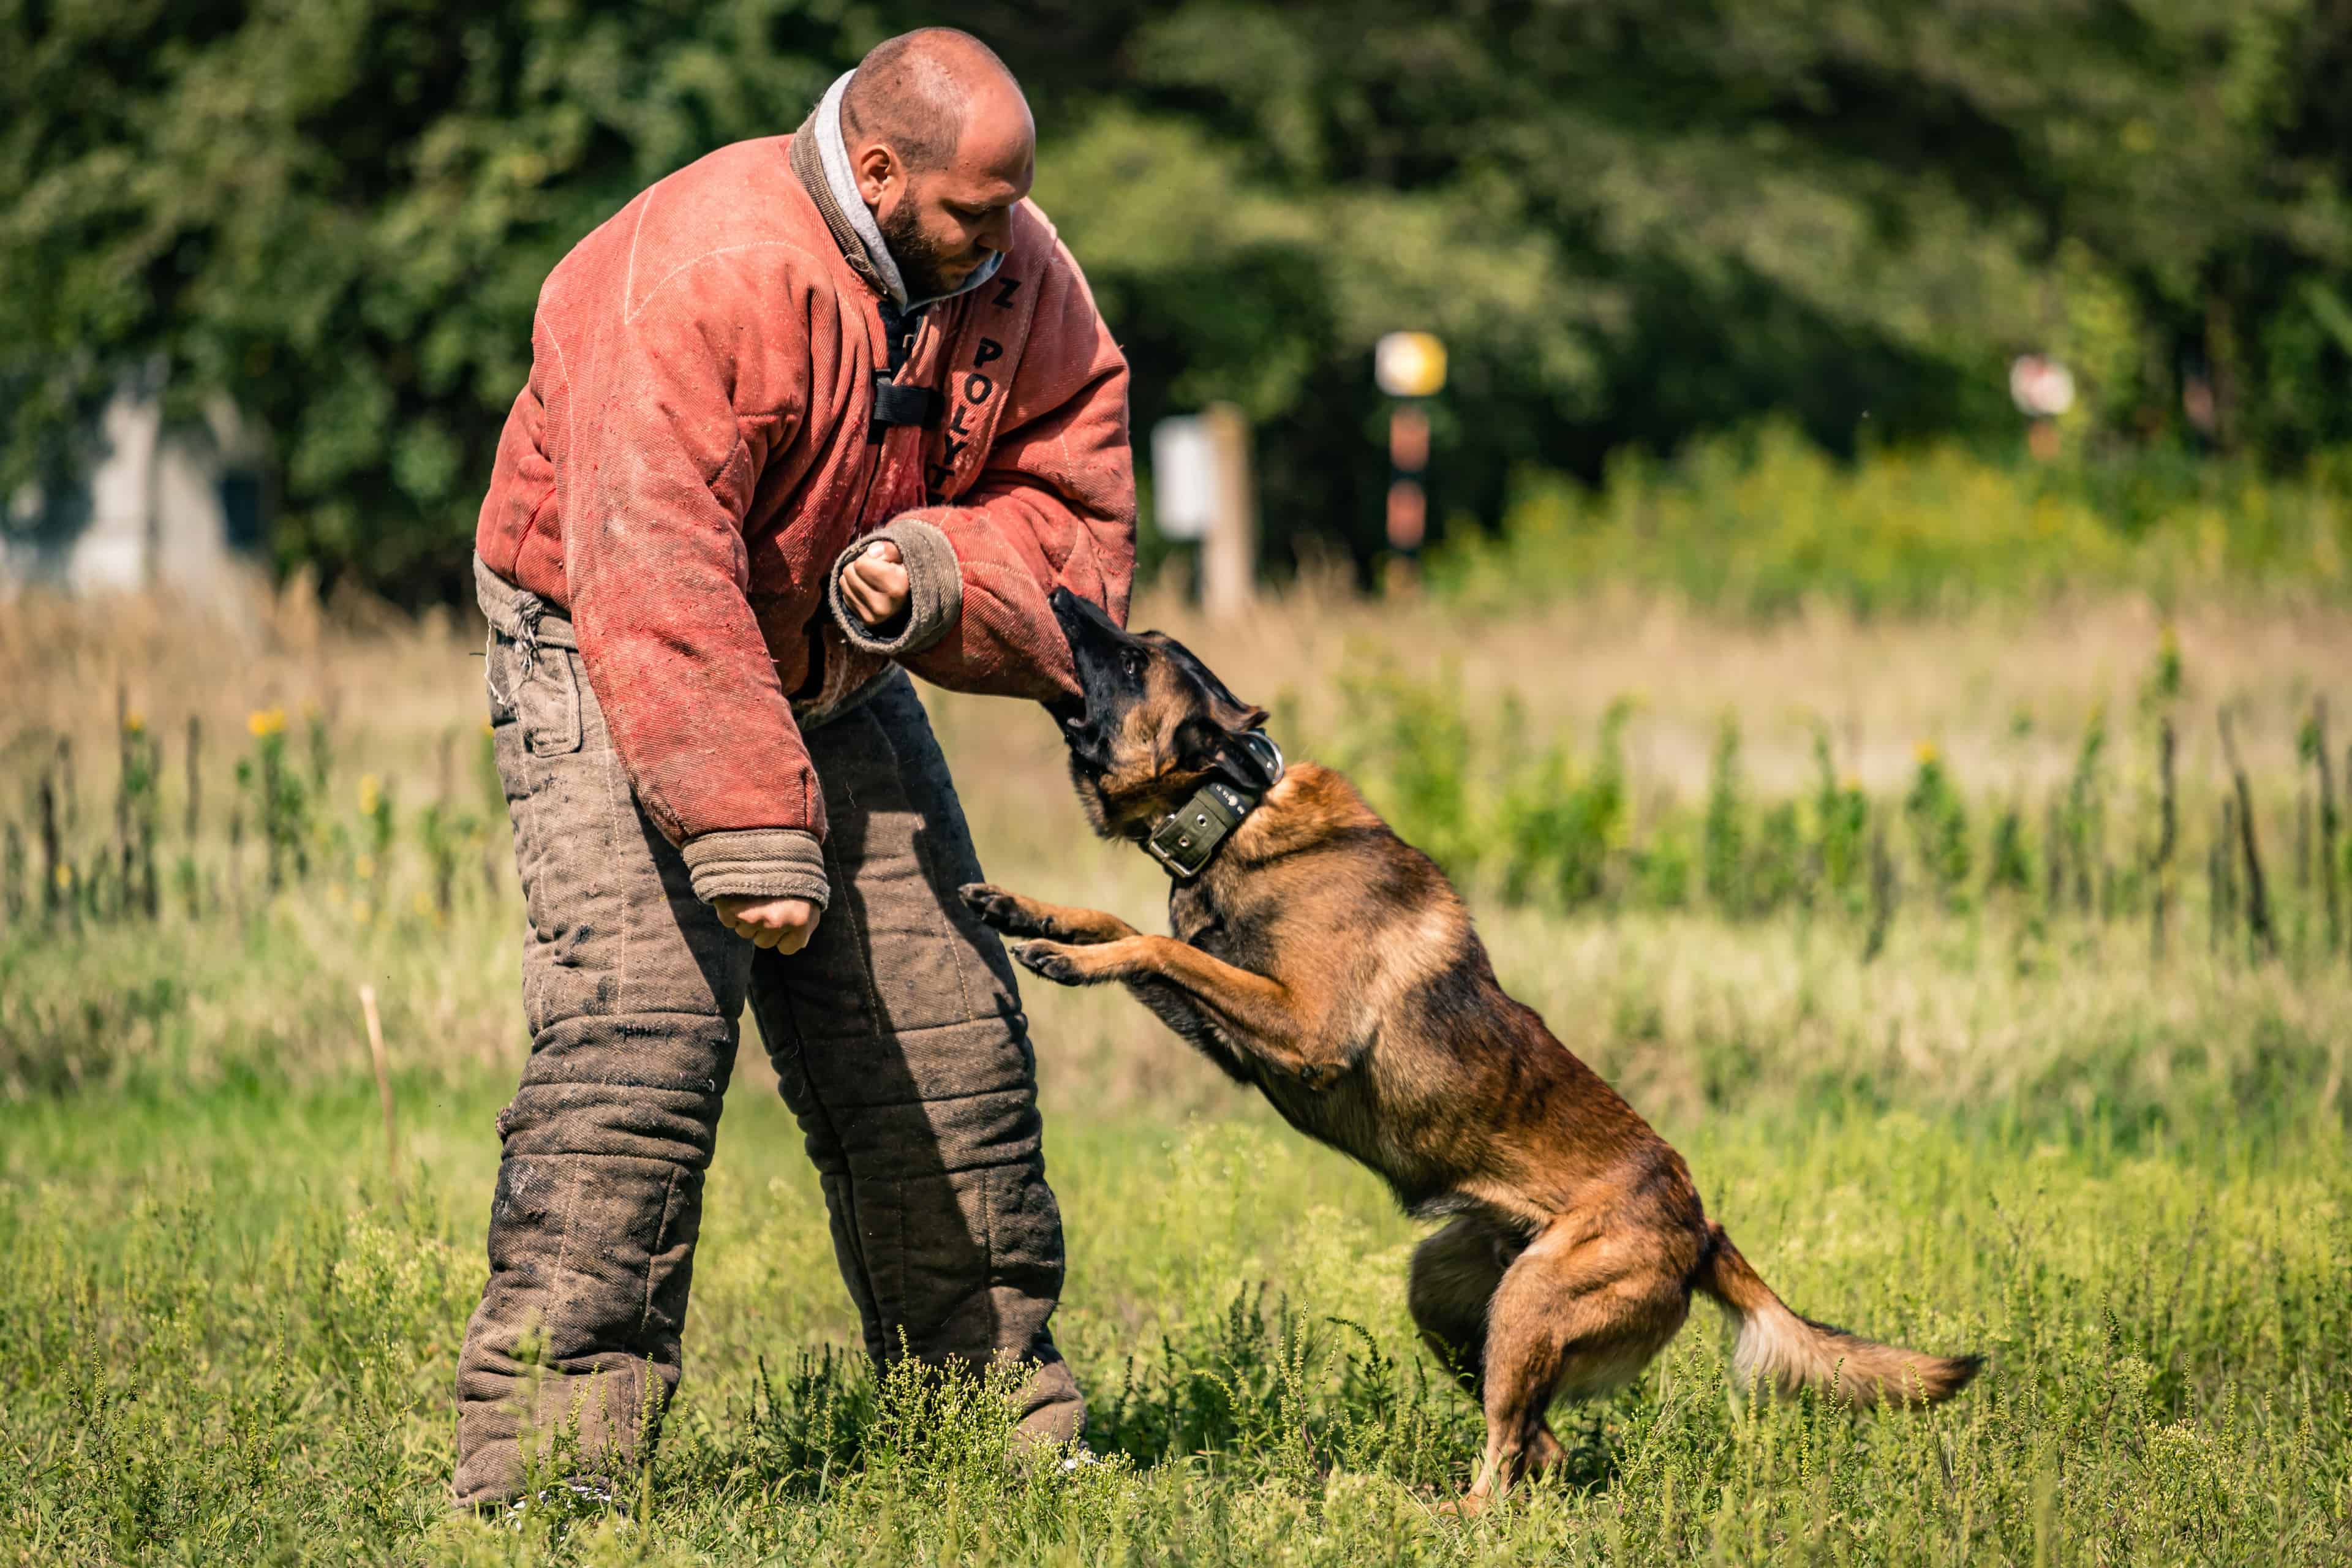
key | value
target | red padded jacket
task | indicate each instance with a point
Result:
(690, 462)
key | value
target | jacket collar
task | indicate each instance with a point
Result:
(821, 158)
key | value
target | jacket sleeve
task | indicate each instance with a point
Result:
(1053, 507)
(658, 570)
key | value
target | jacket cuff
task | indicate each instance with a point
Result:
(934, 590)
(757, 863)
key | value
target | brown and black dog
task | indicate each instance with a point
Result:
(1321, 958)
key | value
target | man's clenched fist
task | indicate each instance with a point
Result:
(784, 924)
(875, 582)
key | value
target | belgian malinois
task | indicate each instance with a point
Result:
(1321, 958)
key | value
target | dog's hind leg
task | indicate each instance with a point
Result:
(1453, 1282)
(1576, 1314)
(1453, 1277)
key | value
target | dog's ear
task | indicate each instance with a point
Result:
(1233, 716)
(1211, 741)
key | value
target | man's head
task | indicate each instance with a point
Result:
(942, 146)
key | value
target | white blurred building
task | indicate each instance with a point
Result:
(176, 506)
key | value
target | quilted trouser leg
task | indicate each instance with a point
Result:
(899, 1044)
(633, 990)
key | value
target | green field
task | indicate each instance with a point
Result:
(1982, 1117)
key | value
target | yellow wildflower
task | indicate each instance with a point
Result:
(365, 868)
(371, 793)
(263, 722)
(1925, 752)
(134, 723)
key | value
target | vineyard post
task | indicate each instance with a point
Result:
(2258, 907)
(2160, 863)
(2329, 895)
(52, 883)
(2225, 872)
(2303, 837)
(195, 750)
(13, 865)
(1881, 893)
(69, 792)
(125, 850)
(2053, 838)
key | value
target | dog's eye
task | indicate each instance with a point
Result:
(1131, 660)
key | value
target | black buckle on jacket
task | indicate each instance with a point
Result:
(897, 405)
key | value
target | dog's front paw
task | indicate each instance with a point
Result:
(1000, 910)
(1057, 962)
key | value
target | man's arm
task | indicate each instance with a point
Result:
(657, 571)
(1054, 507)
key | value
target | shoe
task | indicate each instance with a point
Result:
(575, 1495)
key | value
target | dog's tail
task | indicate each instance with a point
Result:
(1787, 1352)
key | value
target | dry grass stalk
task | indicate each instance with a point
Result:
(382, 1079)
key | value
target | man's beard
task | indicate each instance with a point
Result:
(921, 267)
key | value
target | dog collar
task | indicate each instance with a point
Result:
(1187, 838)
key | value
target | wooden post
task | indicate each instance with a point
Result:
(382, 1079)
(52, 857)
(2224, 872)
(68, 790)
(2258, 904)
(2053, 838)
(1882, 894)
(125, 847)
(12, 871)
(1229, 554)
(2328, 826)
(195, 751)
(2167, 830)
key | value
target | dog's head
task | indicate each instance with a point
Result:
(1151, 724)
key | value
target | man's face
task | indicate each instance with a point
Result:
(941, 224)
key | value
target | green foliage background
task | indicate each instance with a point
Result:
(1633, 223)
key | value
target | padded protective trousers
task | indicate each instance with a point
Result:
(897, 1036)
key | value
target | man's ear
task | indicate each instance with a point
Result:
(875, 167)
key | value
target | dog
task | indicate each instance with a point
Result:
(1320, 958)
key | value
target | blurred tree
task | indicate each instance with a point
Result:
(1630, 221)
(340, 211)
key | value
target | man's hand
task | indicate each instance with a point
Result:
(784, 924)
(874, 583)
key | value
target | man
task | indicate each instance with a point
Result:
(810, 412)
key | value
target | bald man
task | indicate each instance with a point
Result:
(810, 413)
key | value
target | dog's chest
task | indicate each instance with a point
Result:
(1197, 919)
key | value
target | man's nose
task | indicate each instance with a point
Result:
(997, 233)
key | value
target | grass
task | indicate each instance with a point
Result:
(2005, 1128)
(234, 1338)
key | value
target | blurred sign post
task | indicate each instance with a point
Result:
(1202, 490)
(1410, 368)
